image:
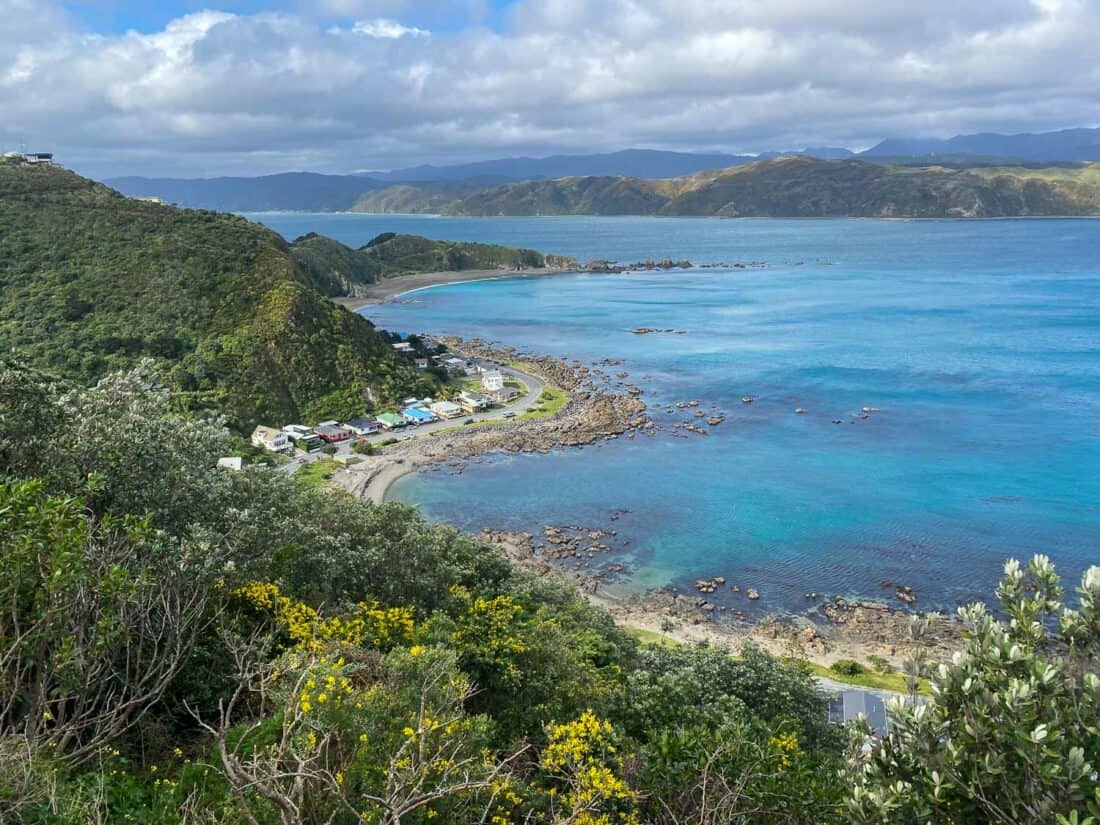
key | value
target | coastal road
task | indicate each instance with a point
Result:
(532, 384)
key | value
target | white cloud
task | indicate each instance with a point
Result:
(215, 93)
(387, 29)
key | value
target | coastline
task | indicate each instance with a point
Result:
(591, 413)
(830, 629)
(380, 291)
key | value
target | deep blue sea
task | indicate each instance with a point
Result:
(979, 341)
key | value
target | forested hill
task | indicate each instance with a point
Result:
(808, 187)
(336, 269)
(91, 281)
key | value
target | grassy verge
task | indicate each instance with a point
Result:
(875, 681)
(316, 473)
(549, 403)
(650, 637)
(894, 682)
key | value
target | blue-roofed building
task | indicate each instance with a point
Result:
(418, 415)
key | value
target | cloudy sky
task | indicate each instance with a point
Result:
(205, 87)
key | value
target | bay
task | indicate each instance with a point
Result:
(978, 341)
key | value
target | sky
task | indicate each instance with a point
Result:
(197, 88)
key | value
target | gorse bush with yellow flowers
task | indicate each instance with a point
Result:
(584, 762)
(365, 624)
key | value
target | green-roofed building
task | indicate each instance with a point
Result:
(390, 421)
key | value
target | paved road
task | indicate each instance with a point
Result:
(534, 387)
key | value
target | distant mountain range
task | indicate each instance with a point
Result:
(289, 191)
(637, 163)
(628, 180)
(808, 187)
(1065, 145)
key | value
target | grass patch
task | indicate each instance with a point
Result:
(894, 682)
(549, 403)
(875, 681)
(650, 637)
(316, 473)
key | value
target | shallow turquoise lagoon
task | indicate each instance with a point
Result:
(979, 342)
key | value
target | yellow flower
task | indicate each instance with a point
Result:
(417, 650)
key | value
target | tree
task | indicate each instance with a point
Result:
(95, 622)
(1012, 731)
(737, 770)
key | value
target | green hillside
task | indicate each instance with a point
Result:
(801, 186)
(91, 281)
(335, 269)
(570, 196)
(415, 198)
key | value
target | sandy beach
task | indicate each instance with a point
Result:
(376, 293)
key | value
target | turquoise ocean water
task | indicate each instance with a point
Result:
(979, 341)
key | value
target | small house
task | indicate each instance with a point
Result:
(458, 366)
(362, 426)
(418, 415)
(36, 158)
(304, 438)
(390, 421)
(446, 409)
(232, 462)
(332, 433)
(492, 381)
(421, 363)
(403, 346)
(503, 395)
(473, 402)
(271, 439)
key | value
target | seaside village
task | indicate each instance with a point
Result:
(482, 387)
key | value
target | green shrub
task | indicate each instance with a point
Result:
(847, 667)
(880, 664)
